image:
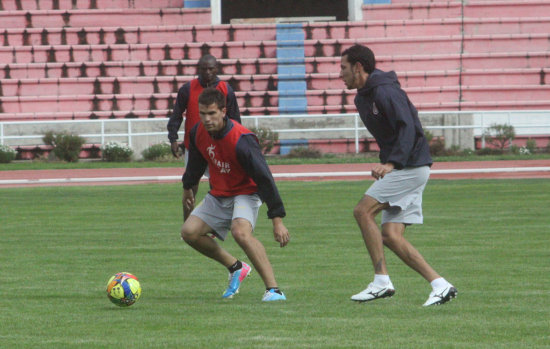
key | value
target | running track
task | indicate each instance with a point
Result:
(440, 170)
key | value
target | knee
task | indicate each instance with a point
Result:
(390, 239)
(361, 212)
(240, 235)
(241, 231)
(187, 235)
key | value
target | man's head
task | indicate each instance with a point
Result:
(356, 64)
(212, 109)
(207, 69)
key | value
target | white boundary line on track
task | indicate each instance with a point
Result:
(275, 175)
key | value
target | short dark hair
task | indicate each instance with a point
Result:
(211, 95)
(361, 54)
(207, 58)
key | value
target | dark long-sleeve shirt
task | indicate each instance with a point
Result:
(176, 118)
(250, 157)
(392, 119)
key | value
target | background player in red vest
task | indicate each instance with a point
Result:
(239, 180)
(187, 101)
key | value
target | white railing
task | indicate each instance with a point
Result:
(532, 122)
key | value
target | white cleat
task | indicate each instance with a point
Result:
(442, 295)
(373, 292)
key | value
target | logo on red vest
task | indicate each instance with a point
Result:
(222, 166)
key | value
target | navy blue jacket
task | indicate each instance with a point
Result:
(391, 118)
(250, 157)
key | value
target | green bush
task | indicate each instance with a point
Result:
(266, 137)
(531, 145)
(158, 151)
(304, 152)
(7, 154)
(116, 152)
(489, 151)
(66, 146)
(500, 135)
(437, 146)
(428, 135)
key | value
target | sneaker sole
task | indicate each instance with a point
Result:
(453, 292)
(387, 294)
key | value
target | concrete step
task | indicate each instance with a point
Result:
(391, 28)
(455, 9)
(436, 45)
(112, 17)
(264, 83)
(250, 66)
(132, 34)
(30, 5)
(84, 115)
(519, 96)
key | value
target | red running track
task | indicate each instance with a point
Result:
(440, 170)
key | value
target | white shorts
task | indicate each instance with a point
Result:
(218, 212)
(402, 190)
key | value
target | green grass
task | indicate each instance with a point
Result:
(60, 245)
(272, 160)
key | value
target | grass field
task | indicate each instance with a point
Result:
(60, 245)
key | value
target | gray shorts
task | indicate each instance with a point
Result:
(218, 213)
(402, 190)
(186, 160)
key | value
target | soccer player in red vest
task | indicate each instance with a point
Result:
(239, 181)
(187, 101)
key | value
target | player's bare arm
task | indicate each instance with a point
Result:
(174, 146)
(280, 232)
(188, 199)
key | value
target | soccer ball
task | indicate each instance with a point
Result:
(123, 289)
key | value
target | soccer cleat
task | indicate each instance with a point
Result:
(442, 295)
(235, 280)
(373, 292)
(271, 295)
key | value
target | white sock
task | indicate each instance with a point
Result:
(439, 283)
(381, 280)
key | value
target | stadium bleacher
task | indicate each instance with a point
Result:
(89, 59)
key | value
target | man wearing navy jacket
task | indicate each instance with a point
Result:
(239, 181)
(401, 176)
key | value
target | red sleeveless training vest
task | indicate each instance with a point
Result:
(227, 176)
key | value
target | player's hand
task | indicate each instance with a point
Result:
(380, 170)
(174, 146)
(188, 199)
(280, 232)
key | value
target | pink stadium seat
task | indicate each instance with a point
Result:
(107, 17)
(87, 4)
(146, 34)
(506, 43)
(79, 59)
(86, 103)
(54, 115)
(382, 28)
(413, 10)
(504, 8)
(508, 25)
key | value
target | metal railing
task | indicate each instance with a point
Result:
(482, 120)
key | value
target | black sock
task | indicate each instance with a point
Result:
(276, 289)
(238, 265)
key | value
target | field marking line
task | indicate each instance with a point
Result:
(275, 175)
